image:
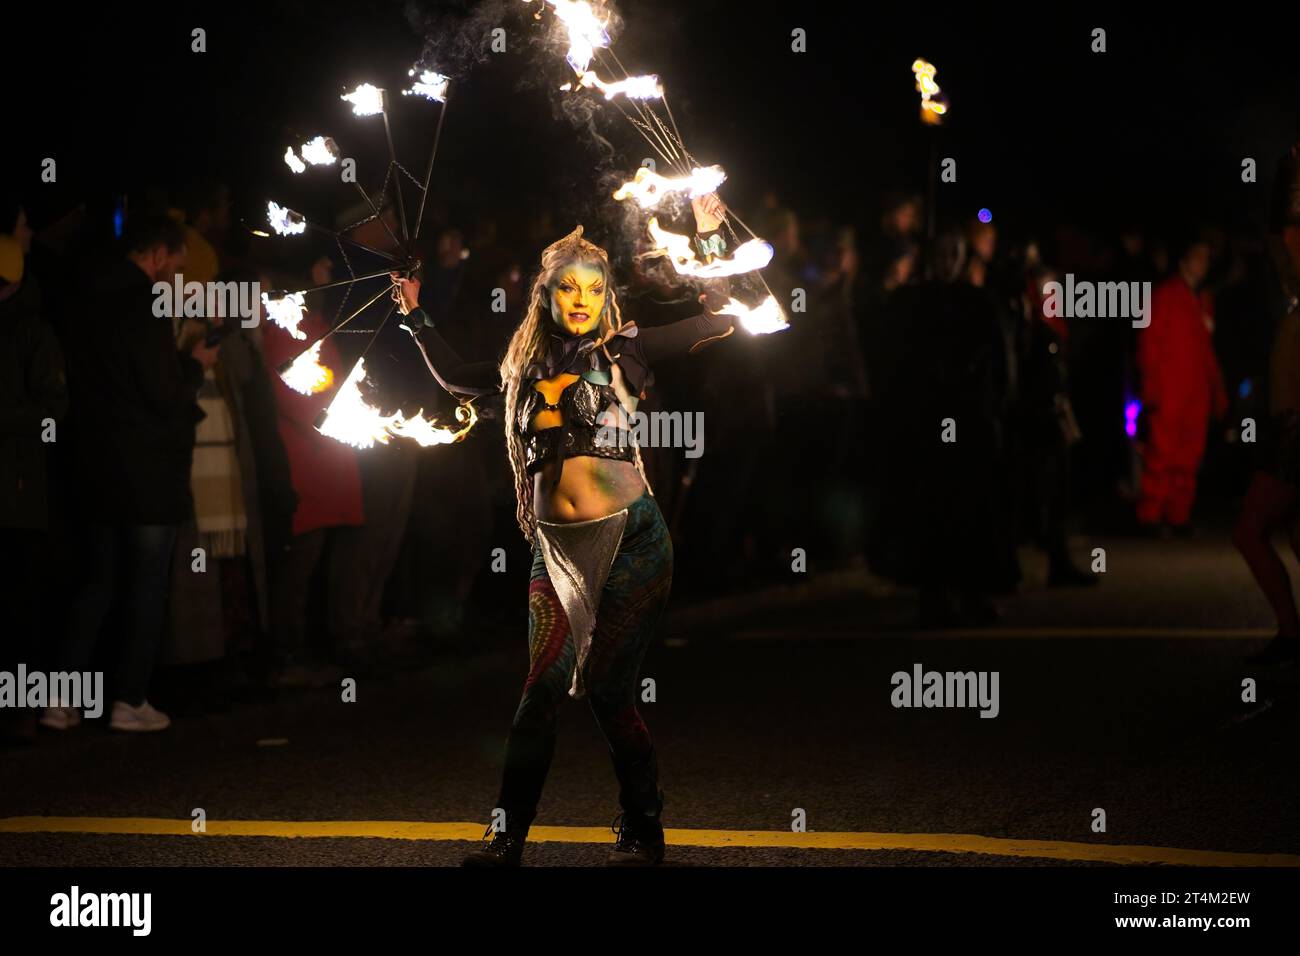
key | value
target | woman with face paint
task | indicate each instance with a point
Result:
(602, 557)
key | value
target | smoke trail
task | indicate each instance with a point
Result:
(458, 36)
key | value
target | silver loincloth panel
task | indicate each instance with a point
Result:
(578, 557)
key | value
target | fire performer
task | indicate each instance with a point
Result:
(602, 555)
(1272, 501)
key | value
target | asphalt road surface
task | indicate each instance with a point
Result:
(1125, 698)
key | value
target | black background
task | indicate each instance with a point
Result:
(1044, 130)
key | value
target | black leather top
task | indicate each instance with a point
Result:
(580, 406)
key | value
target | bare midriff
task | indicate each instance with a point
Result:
(589, 487)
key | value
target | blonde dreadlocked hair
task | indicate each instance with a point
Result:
(529, 344)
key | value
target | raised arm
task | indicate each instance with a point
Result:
(663, 341)
(684, 336)
(710, 243)
(462, 379)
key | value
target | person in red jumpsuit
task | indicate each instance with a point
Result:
(1182, 387)
(327, 481)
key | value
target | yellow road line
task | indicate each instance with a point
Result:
(412, 830)
(1014, 633)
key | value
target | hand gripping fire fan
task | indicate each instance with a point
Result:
(349, 417)
(585, 27)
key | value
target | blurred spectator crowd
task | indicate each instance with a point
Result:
(170, 514)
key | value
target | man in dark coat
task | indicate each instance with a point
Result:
(134, 409)
(941, 430)
(33, 396)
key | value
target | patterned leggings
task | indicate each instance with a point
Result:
(630, 606)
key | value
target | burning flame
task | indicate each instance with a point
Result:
(586, 31)
(284, 220)
(424, 432)
(648, 187)
(763, 319)
(286, 312)
(321, 151)
(307, 375)
(351, 420)
(634, 87)
(430, 85)
(925, 83)
(366, 100)
(751, 255)
(933, 105)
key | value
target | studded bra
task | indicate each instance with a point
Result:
(580, 406)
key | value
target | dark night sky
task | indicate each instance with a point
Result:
(1043, 129)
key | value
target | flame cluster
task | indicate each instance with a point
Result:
(285, 221)
(645, 87)
(321, 151)
(933, 103)
(764, 318)
(430, 85)
(366, 100)
(648, 187)
(748, 256)
(286, 312)
(586, 31)
(353, 421)
(350, 418)
(307, 375)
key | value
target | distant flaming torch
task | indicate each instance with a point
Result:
(366, 100)
(933, 103)
(430, 85)
(648, 187)
(749, 256)
(353, 421)
(296, 164)
(307, 375)
(285, 221)
(285, 310)
(763, 319)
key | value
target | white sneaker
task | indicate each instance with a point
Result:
(142, 719)
(60, 718)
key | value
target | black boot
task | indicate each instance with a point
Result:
(640, 837)
(640, 831)
(506, 847)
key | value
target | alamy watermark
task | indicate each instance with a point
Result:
(84, 691)
(198, 300)
(1098, 300)
(922, 688)
(75, 908)
(657, 430)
